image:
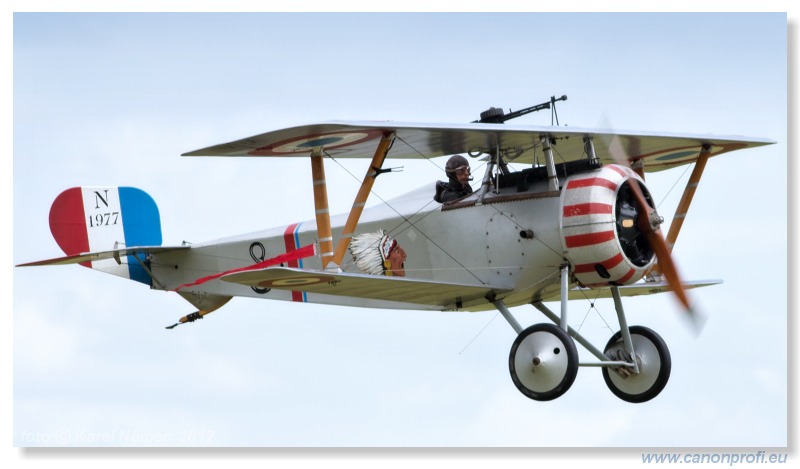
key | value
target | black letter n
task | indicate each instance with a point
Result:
(99, 198)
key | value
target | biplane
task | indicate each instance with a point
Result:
(558, 211)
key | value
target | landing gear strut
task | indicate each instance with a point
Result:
(544, 359)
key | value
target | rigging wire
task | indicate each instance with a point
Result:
(479, 333)
(429, 159)
(675, 184)
(407, 219)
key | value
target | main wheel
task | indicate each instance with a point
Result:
(543, 362)
(653, 359)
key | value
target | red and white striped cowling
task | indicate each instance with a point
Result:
(588, 228)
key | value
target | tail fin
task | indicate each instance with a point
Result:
(91, 219)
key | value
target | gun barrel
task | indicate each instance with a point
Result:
(495, 115)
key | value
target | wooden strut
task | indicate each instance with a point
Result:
(688, 194)
(321, 208)
(361, 197)
(683, 205)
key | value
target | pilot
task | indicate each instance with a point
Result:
(457, 186)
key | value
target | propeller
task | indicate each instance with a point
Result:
(649, 224)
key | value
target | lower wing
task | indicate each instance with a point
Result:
(373, 287)
(637, 289)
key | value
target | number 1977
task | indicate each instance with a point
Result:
(103, 219)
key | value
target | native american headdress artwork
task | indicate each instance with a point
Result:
(371, 252)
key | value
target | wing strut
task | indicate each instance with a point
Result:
(321, 208)
(551, 164)
(688, 194)
(361, 197)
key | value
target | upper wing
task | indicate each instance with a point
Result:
(374, 287)
(359, 140)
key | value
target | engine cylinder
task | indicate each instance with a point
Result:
(599, 227)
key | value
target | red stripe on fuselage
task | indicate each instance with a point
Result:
(620, 281)
(587, 209)
(289, 242)
(589, 182)
(608, 265)
(619, 170)
(577, 241)
(626, 277)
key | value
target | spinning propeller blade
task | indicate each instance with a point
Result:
(649, 223)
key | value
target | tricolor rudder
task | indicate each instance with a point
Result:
(599, 229)
(93, 219)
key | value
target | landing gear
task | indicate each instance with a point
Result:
(544, 359)
(652, 360)
(543, 362)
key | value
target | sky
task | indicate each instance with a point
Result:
(116, 98)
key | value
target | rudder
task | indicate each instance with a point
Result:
(89, 219)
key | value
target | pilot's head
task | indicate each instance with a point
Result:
(457, 168)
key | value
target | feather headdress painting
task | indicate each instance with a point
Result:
(378, 254)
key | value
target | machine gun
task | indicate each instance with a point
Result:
(495, 115)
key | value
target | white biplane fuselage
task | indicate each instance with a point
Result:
(475, 244)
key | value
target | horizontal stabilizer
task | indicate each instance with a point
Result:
(374, 287)
(117, 254)
(637, 289)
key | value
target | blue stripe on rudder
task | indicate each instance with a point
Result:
(142, 226)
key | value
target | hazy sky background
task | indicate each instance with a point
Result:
(116, 98)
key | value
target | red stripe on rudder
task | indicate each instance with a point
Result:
(68, 223)
(577, 241)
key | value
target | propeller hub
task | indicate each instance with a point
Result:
(655, 220)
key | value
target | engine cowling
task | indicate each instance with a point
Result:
(599, 227)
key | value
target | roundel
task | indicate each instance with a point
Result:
(670, 157)
(295, 281)
(307, 143)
